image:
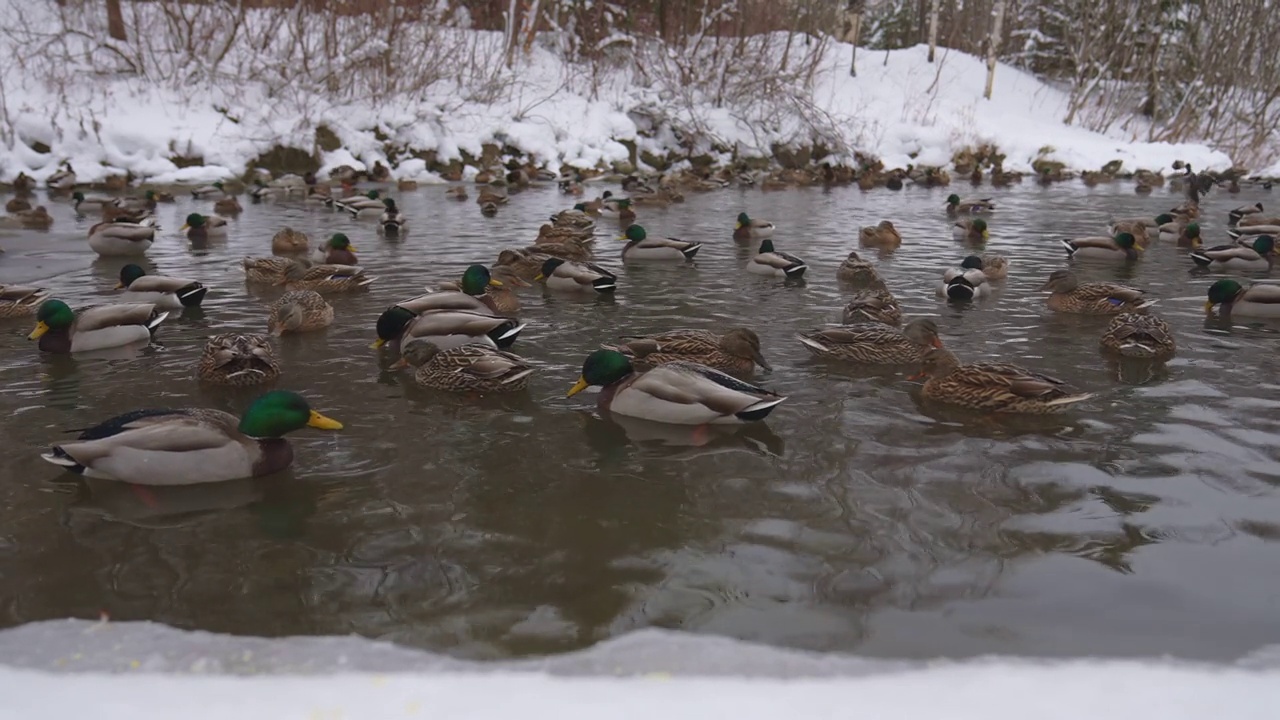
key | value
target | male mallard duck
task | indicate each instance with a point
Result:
(1257, 300)
(737, 351)
(201, 228)
(1121, 248)
(874, 343)
(191, 445)
(37, 219)
(1236, 215)
(337, 250)
(776, 264)
(228, 206)
(120, 238)
(289, 241)
(969, 206)
(1250, 231)
(641, 246)
(884, 235)
(1188, 235)
(877, 305)
(1095, 298)
(169, 293)
(748, 229)
(326, 278)
(677, 393)
(966, 282)
(62, 180)
(1139, 336)
(457, 192)
(1249, 221)
(17, 205)
(261, 192)
(1258, 256)
(524, 264)
(299, 311)
(20, 300)
(209, 192)
(616, 208)
(91, 201)
(238, 360)
(61, 330)
(494, 292)
(392, 220)
(859, 272)
(367, 205)
(1140, 232)
(561, 274)
(993, 387)
(970, 230)
(446, 328)
(466, 368)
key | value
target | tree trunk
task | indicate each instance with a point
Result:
(933, 27)
(115, 21)
(852, 30)
(993, 46)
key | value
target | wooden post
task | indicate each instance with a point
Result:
(115, 21)
(933, 27)
(993, 47)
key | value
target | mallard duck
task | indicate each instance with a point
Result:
(559, 234)
(993, 387)
(63, 180)
(884, 235)
(91, 201)
(873, 343)
(200, 228)
(457, 192)
(859, 272)
(489, 209)
(1236, 215)
(269, 270)
(337, 250)
(446, 328)
(776, 264)
(1095, 298)
(472, 368)
(525, 264)
(575, 217)
(995, 266)
(616, 208)
(1188, 235)
(489, 195)
(969, 206)
(209, 192)
(970, 230)
(228, 205)
(299, 311)
(392, 220)
(169, 293)
(1122, 248)
(1139, 336)
(1249, 221)
(877, 305)
(1250, 231)
(326, 278)
(737, 351)
(24, 184)
(568, 250)
(37, 219)
(17, 205)
(261, 192)
(61, 330)
(1257, 300)
(748, 229)
(493, 292)
(966, 282)
(111, 239)
(1257, 257)
(192, 445)
(561, 274)
(238, 360)
(641, 246)
(289, 241)
(367, 205)
(1140, 232)
(676, 393)
(20, 300)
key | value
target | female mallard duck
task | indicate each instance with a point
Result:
(549, 234)
(575, 217)
(748, 229)
(489, 195)
(62, 180)
(111, 239)
(1236, 215)
(169, 293)
(366, 205)
(457, 192)
(238, 360)
(1123, 247)
(1258, 300)
(561, 274)
(1145, 337)
(641, 246)
(446, 328)
(191, 445)
(36, 219)
(472, 368)
(874, 343)
(326, 278)
(392, 220)
(228, 205)
(209, 192)
(201, 228)
(489, 209)
(299, 311)
(568, 250)
(17, 205)
(337, 250)
(1258, 256)
(289, 242)
(61, 330)
(995, 266)
(95, 202)
(776, 264)
(1067, 295)
(269, 270)
(970, 230)
(20, 300)
(860, 272)
(993, 387)
(884, 235)
(967, 282)
(737, 351)
(676, 393)
(524, 264)
(616, 208)
(969, 206)
(493, 292)
(877, 305)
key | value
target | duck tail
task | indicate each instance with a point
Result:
(1070, 399)
(192, 295)
(517, 376)
(692, 250)
(59, 457)
(505, 336)
(156, 318)
(960, 289)
(796, 271)
(812, 345)
(1200, 258)
(1071, 249)
(605, 284)
(1234, 232)
(759, 410)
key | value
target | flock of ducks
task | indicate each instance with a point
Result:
(458, 338)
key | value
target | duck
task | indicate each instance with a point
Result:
(1237, 214)
(491, 287)
(560, 274)
(392, 221)
(1139, 336)
(1257, 300)
(469, 368)
(18, 301)
(367, 205)
(970, 230)
(1254, 220)
(993, 387)
(269, 270)
(62, 180)
(35, 219)
(525, 264)
(853, 269)
(675, 393)
(873, 343)
(169, 293)
(299, 311)
(994, 266)
(1140, 232)
(261, 192)
(574, 217)
(112, 239)
(489, 195)
(549, 233)
(238, 360)
(568, 250)
(642, 246)
(17, 205)
(337, 250)
(62, 330)
(1258, 256)
(883, 235)
(967, 282)
(748, 229)
(208, 192)
(288, 241)
(201, 228)
(736, 351)
(447, 328)
(24, 184)
(969, 206)
(1188, 235)
(1249, 231)
(228, 205)
(457, 192)
(191, 446)
(874, 305)
(616, 208)
(776, 264)
(1121, 248)
(1068, 295)
(489, 209)
(326, 278)
(91, 201)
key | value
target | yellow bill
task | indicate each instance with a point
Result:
(377, 344)
(184, 227)
(1208, 307)
(540, 278)
(41, 328)
(119, 286)
(323, 423)
(352, 248)
(495, 283)
(578, 387)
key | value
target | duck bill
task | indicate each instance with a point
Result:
(119, 286)
(578, 387)
(937, 343)
(399, 364)
(353, 248)
(185, 226)
(762, 362)
(41, 328)
(377, 344)
(495, 283)
(917, 376)
(321, 422)
(1208, 307)
(540, 278)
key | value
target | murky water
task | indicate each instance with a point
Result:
(856, 520)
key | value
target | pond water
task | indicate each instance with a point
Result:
(854, 519)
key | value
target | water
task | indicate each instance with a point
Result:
(856, 519)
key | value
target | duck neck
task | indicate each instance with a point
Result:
(274, 455)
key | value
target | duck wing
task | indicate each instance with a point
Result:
(105, 316)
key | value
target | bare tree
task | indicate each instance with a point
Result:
(115, 21)
(933, 27)
(993, 46)
(852, 29)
